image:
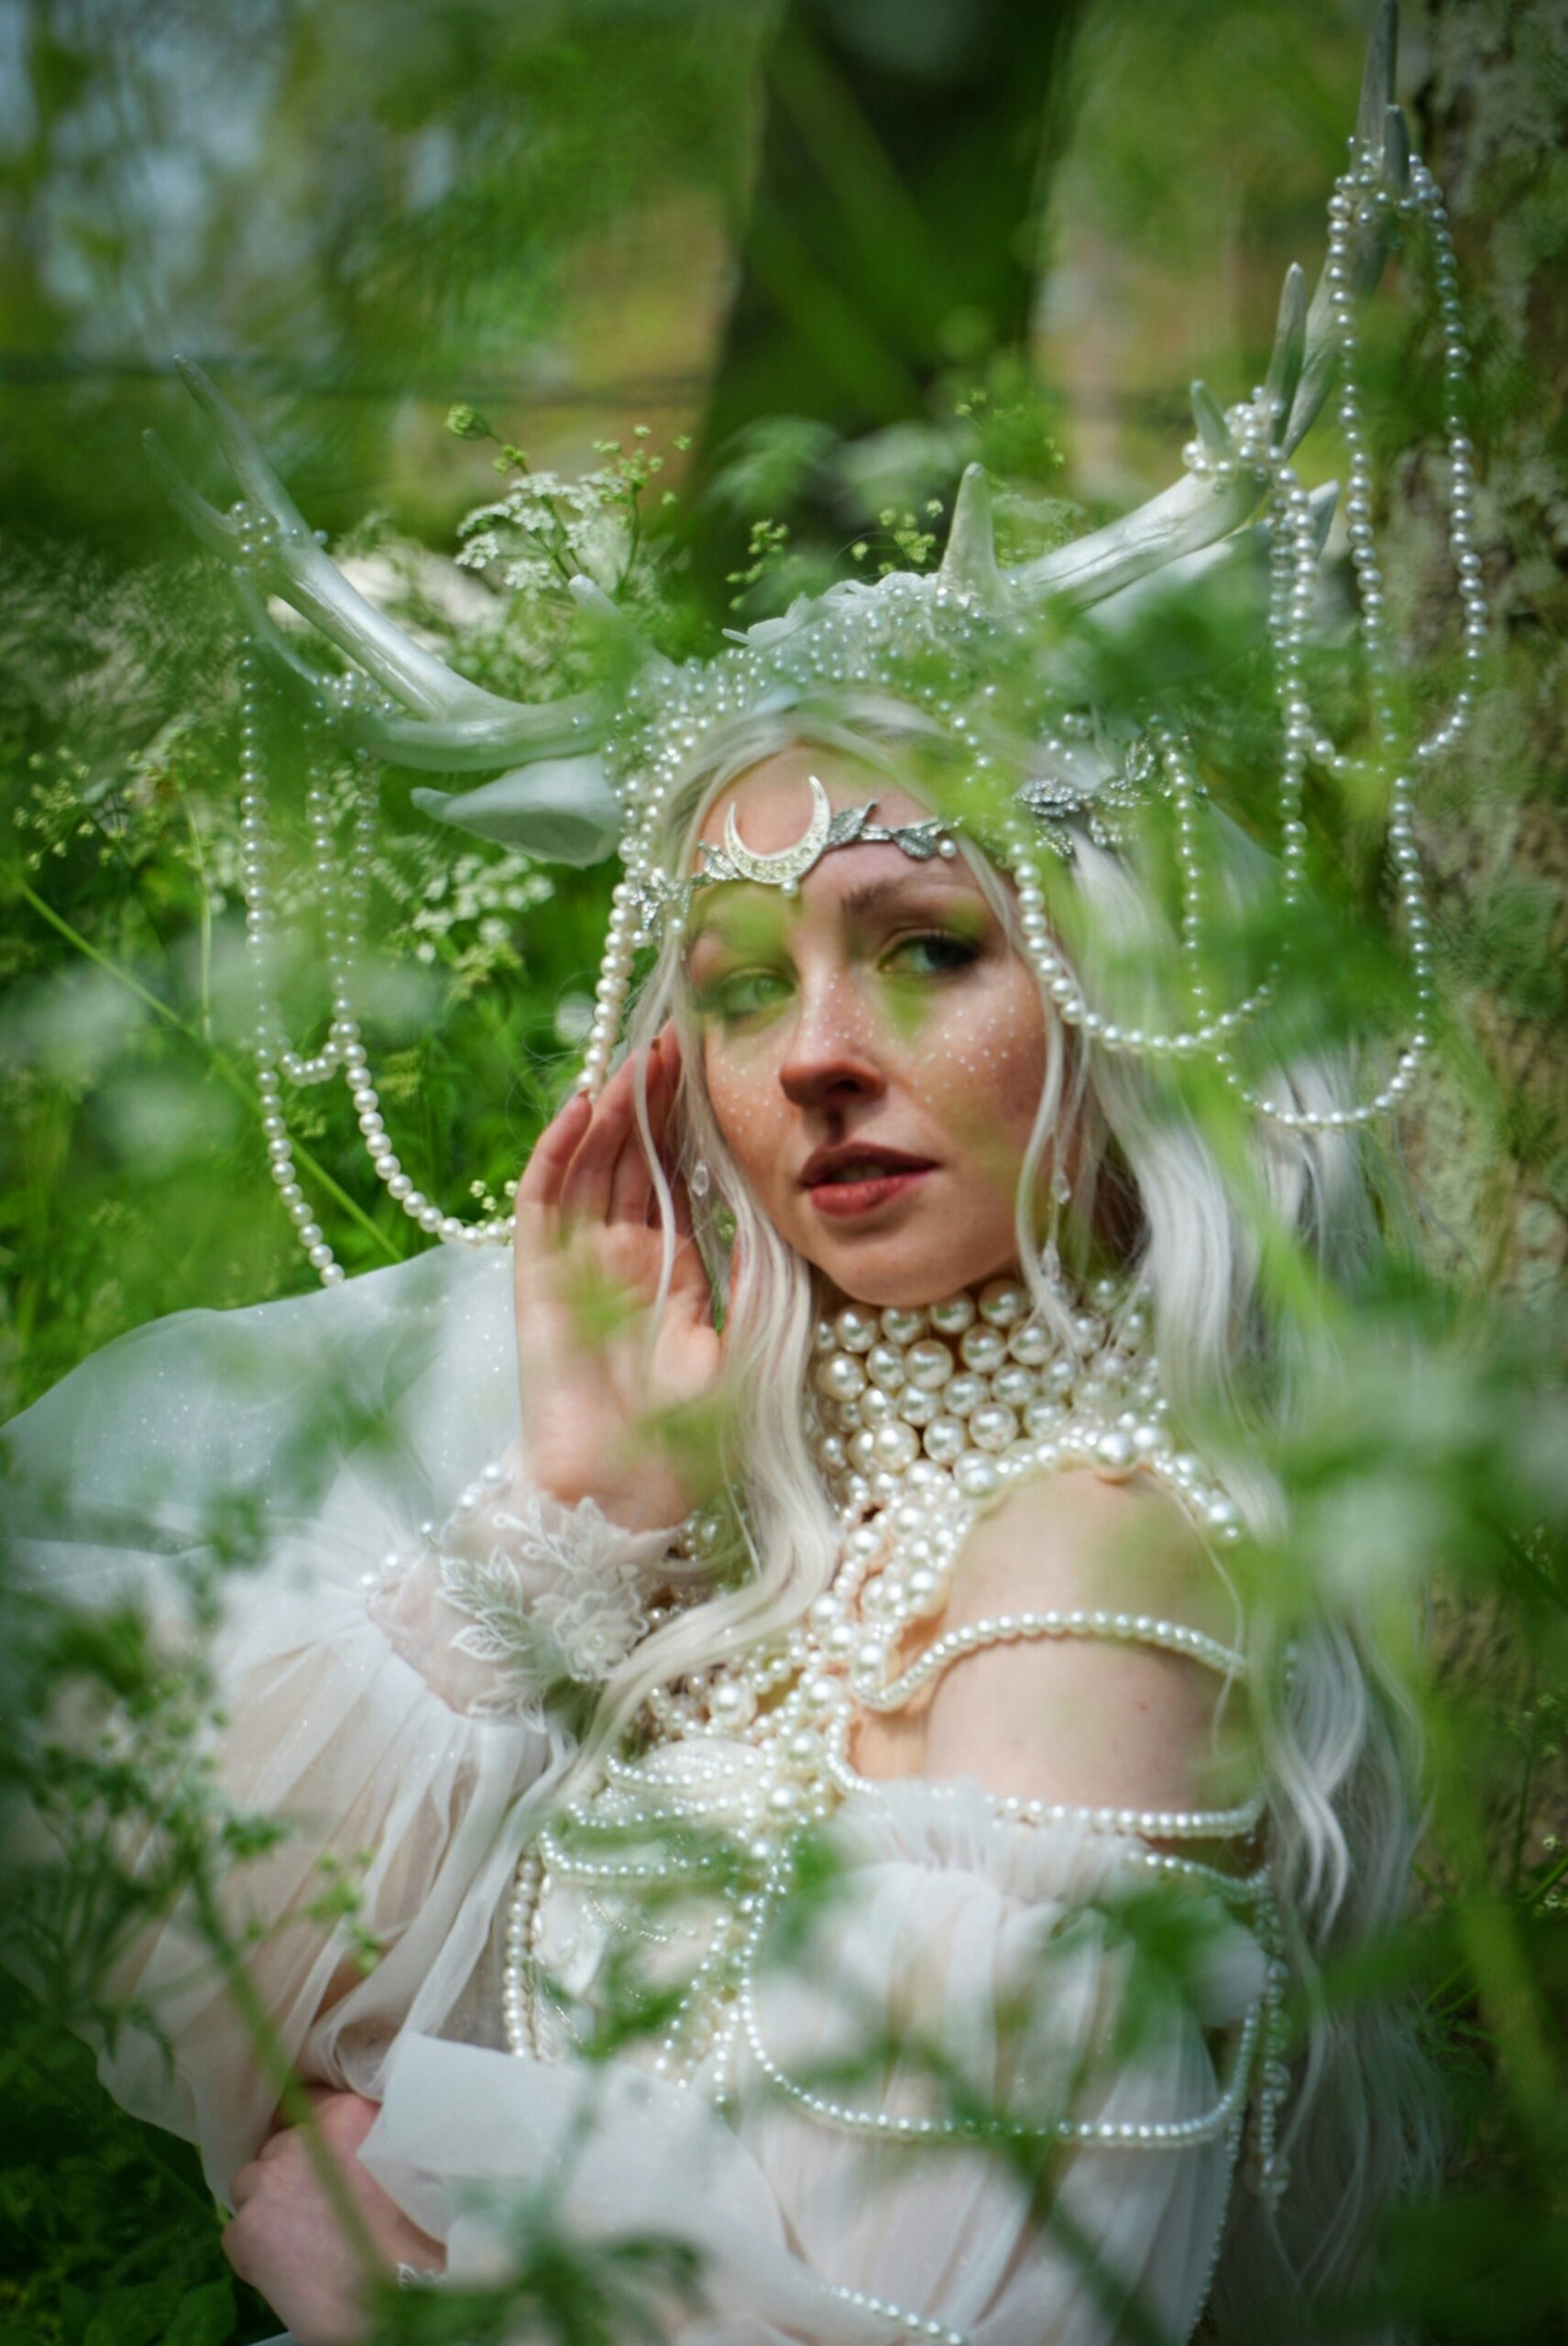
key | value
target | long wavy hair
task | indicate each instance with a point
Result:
(1339, 1732)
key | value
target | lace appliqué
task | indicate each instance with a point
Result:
(580, 1626)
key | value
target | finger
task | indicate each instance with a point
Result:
(669, 1050)
(539, 1187)
(668, 1139)
(536, 1209)
(234, 2240)
(586, 1191)
(307, 2105)
(732, 1286)
(666, 1050)
(662, 1086)
(632, 1196)
(344, 2120)
(689, 1282)
(247, 2184)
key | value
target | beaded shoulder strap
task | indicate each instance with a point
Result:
(1011, 1628)
(1236, 1823)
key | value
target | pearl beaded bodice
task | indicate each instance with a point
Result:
(919, 1420)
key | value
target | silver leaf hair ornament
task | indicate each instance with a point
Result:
(575, 778)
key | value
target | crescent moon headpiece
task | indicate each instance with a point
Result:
(787, 867)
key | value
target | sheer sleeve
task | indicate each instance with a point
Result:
(1061, 2028)
(1064, 2028)
(387, 1673)
(516, 1599)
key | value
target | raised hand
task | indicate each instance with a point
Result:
(607, 1370)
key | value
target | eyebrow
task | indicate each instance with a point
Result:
(874, 896)
(865, 902)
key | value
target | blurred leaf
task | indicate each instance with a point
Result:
(132, 2316)
(206, 2317)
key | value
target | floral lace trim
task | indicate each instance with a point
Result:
(581, 1626)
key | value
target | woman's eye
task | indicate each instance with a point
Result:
(744, 995)
(935, 953)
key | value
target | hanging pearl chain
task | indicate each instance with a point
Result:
(1254, 429)
(343, 919)
(260, 929)
(614, 984)
(1355, 193)
(1292, 586)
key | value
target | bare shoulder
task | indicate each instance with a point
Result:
(1090, 1719)
(1082, 1541)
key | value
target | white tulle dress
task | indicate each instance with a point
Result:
(963, 1940)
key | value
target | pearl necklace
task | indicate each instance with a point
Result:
(981, 1388)
(918, 1418)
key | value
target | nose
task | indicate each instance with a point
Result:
(831, 1061)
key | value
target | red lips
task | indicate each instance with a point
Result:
(854, 1178)
(835, 1166)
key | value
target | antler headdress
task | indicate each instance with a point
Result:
(582, 777)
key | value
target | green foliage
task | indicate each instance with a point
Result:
(816, 506)
(130, 1177)
(106, 2231)
(449, 215)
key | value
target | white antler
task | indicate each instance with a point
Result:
(1199, 510)
(453, 726)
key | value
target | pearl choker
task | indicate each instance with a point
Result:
(918, 1419)
(980, 1387)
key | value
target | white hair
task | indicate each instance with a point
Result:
(1339, 1731)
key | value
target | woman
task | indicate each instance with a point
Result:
(812, 1782)
(866, 1060)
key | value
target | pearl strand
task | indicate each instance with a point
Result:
(890, 2125)
(1118, 1629)
(1244, 443)
(260, 929)
(915, 2324)
(896, 1557)
(523, 1910)
(614, 984)
(1268, 2169)
(1235, 1823)
(343, 915)
(1349, 207)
